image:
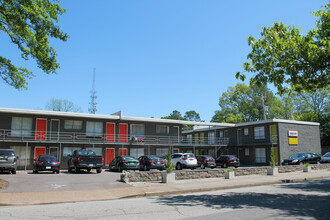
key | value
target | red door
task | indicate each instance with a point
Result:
(41, 129)
(122, 152)
(39, 151)
(122, 132)
(110, 132)
(109, 155)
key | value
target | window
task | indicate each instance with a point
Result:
(211, 138)
(72, 125)
(220, 134)
(137, 130)
(259, 132)
(136, 152)
(260, 155)
(94, 129)
(161, 152)
(162, 129)
(21, 127)
(247, 151)
(246, 131)
(23, 154)
(69, 150)
(189, 138)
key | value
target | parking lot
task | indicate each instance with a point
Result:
(26, 181)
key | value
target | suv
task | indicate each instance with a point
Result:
(184, 160)
(8, 160)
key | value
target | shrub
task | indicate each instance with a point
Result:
(169, 166)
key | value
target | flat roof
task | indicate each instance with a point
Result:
(256, 123)
(112, 117)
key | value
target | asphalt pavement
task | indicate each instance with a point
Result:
(140, 189)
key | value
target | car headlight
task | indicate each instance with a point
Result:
(295, 161)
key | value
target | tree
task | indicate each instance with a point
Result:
(283, 56)
(175, 115)
(29, 25)
(192, 116)
(62, 105)
(244, 103)
(314, 107)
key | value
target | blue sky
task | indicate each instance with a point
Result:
(151, 57)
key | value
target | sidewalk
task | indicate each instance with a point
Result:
(157, 189)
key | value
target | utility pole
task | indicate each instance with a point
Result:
(92, 104)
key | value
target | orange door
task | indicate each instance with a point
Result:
(122, 132)
(39, 151)
(110, 132)
(41, 129)
(122, 151)
(109, 155)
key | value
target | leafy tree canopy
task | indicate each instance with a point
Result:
(29, 24)
(62, 105)
(176, 115)
(283, 57)
(243, 103)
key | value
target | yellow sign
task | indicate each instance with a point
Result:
(293, 141)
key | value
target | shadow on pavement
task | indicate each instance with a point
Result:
(322, 186)
(307, 205)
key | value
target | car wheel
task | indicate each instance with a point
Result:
(99, 170)
(145, 168)
(69, 170)
(13, 172)
(179, 166)
(236, 166)
(202, 166)
(88, 169)
(225, 165)
(318, 162)
(120, 169)
(76, 169)
(301, 163)
(58, 172)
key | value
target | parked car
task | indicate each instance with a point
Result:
(85, 159)
(8, 160)
(205, 161)
(46, 163)
(184, 160)
(326, 158)
(227, 160)
(302, 158)
(121, 163)
(151, 162)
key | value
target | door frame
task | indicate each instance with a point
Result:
(57, 151)
(58, 128)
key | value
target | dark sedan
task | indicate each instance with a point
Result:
(205, 161)
(46, 163)
(121, 163)
(302, 158)
(227, 160)
(151, 162)
(326, 158)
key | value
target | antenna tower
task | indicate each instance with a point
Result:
(92, 104)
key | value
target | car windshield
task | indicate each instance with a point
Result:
(128, 158)
(6, 153)
(232, 157)
(295, 156)
(85, 152)
(153, 158)
(47, 158)
(327, 154)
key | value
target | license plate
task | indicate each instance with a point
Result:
(48, 168)
(91, 165)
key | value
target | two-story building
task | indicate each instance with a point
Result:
(35, 132)
(252, 141)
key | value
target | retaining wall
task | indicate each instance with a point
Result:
(155, 176)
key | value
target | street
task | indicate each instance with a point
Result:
(305, 200)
